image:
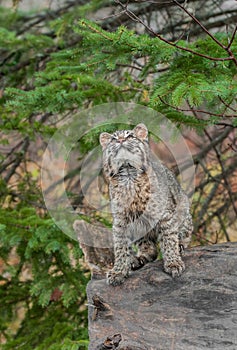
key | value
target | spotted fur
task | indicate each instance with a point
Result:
(148, 205)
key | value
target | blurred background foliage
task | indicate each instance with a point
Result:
(56, 57)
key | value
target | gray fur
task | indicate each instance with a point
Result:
(148, 205)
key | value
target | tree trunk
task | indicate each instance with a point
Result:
(152, 311)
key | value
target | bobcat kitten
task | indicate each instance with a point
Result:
(147, 203)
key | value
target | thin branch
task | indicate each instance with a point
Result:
(71, 174)
(223, 227)
(5, 164)
(223, 174)
(197, 157)
(135, 18)
(232, 38)
(226, 48)
(218, 177)
(197, 110)
(228, 106)
(18, 159)
(219, 211)
(209, 198)
(200, 24)
(46, 15)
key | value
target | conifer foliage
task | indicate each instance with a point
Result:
(179, 60)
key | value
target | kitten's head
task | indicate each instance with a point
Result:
(125, 148)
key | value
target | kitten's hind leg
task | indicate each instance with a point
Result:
(146, 252)
(185, 234)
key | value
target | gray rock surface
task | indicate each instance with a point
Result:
(152, 311)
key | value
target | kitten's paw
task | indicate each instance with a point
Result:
(115, 278)
(138, 262)
(181, 249)
(175, 267)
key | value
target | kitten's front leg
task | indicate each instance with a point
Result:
(122, 264)
(169, 245)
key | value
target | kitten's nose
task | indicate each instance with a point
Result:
(121, 140)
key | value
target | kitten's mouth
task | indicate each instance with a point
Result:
(123, 147)
(127, 164)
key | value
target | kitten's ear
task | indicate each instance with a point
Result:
(104, 139)
(141, 131)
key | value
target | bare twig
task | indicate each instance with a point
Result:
(199, 23)
(227, 105)
(223, 208)
(232, 38)
(197, 110)
(223, 227)
(207, 202)
(223, 174)
(18, 159)
(226, 48)
(217, 178)
(135, 18)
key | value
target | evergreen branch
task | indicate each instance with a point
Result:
(44, 56)
(222, 115)
(231, 54)
(173, 27)
(95, 30)
(227, 105)
(135, 18)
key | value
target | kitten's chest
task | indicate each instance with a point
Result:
(130, 197)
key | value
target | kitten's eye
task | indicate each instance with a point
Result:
(130, 136)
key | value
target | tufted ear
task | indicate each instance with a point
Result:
(141, 131)
(104, 139)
